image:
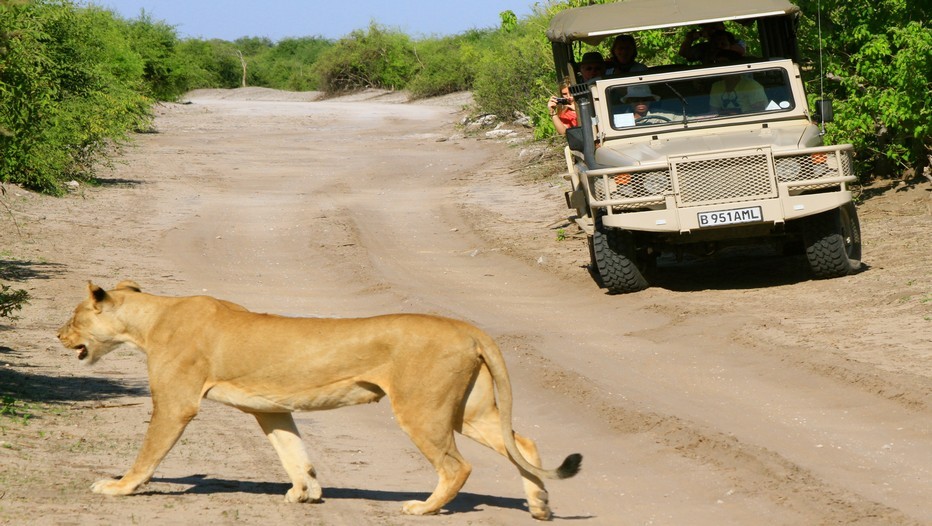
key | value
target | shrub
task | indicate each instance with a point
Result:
(210, 63)
(290, 63)
(515, 72)
(375, 58)
(442, 69)
(64, 95)
(11, 300)
(164, 75)
(449, 64)
(878, 60)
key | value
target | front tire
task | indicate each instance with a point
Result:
(613, 261)
(833, 242)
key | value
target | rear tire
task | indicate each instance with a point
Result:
(833, 242)
(613, 261)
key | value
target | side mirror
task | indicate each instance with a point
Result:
(824, 111)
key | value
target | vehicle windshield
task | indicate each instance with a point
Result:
(699, 98)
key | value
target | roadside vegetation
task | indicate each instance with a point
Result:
(76, 80)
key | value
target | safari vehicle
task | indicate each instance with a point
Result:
(703, 170)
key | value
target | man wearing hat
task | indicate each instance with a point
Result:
(639, 98)
(592, 66)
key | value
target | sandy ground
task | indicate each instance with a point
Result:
(735, 391)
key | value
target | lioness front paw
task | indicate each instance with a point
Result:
(417, 507)
(311, 493)
(111, 487)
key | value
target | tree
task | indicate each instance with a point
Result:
(878, 61)
(375, 58)
(69, 89)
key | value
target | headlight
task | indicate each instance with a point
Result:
(656, 183)
(788, 169)
(819, 164)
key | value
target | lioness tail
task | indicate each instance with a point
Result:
(493, 358)
(570, 466)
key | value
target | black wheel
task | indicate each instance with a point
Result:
(613, 261)
(833, 242)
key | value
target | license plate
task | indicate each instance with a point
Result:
(751, 214)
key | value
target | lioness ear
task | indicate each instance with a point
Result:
(97, 294)
(129, 284)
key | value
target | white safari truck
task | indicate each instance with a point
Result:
(729, 153)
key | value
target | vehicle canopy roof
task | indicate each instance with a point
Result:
(593, 23)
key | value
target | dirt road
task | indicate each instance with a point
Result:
(736, 391)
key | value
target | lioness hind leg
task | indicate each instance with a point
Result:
(489, 433)
(482, 423)
(435, 440)
(285, 438)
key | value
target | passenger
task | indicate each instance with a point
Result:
(725, 45)
(640, 98)
(705, 52)
(737, 94)
(592, 66)
(563, 115)
(624, 53)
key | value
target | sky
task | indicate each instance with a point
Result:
(278, 19)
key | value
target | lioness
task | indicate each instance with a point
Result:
(441, 375)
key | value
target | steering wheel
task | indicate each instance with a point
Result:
(646, 118)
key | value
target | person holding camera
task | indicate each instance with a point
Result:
(561, 109)
(717, 39)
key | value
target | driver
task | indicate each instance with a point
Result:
(639, 98)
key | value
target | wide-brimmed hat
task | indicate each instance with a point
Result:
(592, 57)
(641, 91)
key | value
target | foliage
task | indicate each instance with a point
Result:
(11, 300)
(164, 75)
(289, 64)
(210, 63)
(374, 58)
(878, 60)
(74, 81)
(515, 72)
(445, 65)
(8, 408)
(69, 89)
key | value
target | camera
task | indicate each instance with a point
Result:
(564, 101)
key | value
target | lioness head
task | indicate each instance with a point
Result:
(95, 328)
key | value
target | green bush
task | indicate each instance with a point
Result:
(375, 58)
(11, 300)
(210, 63)
(290, 63)
(509, 78)
(76, 80)
(69, 89)
(515, 71)
(164, 74)
(878, 60)
(443, 68)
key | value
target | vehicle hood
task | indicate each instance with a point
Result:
(650, 150)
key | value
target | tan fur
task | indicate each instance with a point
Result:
(441, 375)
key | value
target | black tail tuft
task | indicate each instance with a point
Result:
(570, 466)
